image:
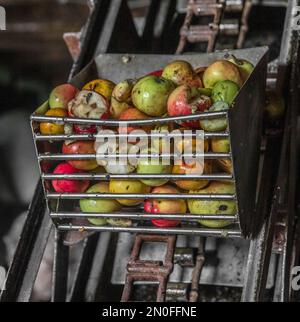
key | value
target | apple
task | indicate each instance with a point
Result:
(224, 91)
(119, 165)
(155, 166)
(274, 108)
(69, 186)
(81, 147)
(103, 87)
(156, 73)
(150, 95)
(53, 128)
(189, 169)
(88, 104)
(221, 70)
(165, 206)
(180, 144)
(215, 124)
(181, 72)
(214, 207)
(128, 186)
(222, 145)
(133, 114)
(186, 100)
(160, 144)
(245, 67)
(121, 97)
(99, 205)
(62, 95)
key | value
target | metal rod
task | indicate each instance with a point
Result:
(140, 196)
(88, 121)
(232, 233)
(75, 137)
(61, 156)
(136, 176)
(141, 216)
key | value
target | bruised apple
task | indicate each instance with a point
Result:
(100, 86)
(214, 207)
(165, 206)
(186, 100)
(69, 186)
(88, 104)
(190, 169)
(81, 147)
(128, 186)
(121, 97)
(181, 72)
(222, 145)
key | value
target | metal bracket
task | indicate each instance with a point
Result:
(145, 270)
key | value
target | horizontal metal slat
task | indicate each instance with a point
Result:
(141, 216)
(137, 176)
(140, 196)
(230, 233)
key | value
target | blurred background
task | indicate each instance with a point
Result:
(34, 59)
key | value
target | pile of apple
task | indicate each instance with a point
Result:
(177, 90)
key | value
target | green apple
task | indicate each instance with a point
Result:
(224, 91)
(245, 67)
(214, 207)
(218, 124)
(148, 166)
(150, 95)
(99, 205)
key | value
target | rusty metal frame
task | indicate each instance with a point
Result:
(141, 270)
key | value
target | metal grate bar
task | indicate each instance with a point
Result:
(62, 137)
(142, 216)
(136, 176)
(140, 196)
(230, 233)
(200, 116)
(60, 156)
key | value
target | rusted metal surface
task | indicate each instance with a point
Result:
(208, 32)
(72, 40)
(200, 259)
(149, 271)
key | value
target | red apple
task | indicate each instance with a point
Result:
(81, 147)
(133, 114)
(186, 100)
(70, 186)
(62, 95)
(165, 206)
(157, 73)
